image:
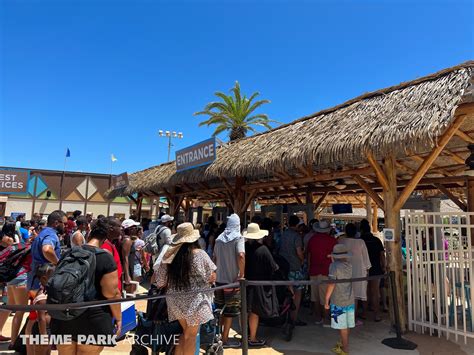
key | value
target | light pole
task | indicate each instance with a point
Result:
(170, 135)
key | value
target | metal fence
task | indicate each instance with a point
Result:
(439, 264)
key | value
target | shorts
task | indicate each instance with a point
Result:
(137, 270)
(318, 292)
(342, 317)
(228, 299)
(297, 276)
(20, 280)
(33, 282)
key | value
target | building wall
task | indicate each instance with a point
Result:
(78, 191)
(19, 205)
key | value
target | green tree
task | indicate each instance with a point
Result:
(235, 114)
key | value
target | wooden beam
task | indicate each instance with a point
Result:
(320, 200)
(297, 199)
(227, 185)
(455, 157)
(464, 136)
(442, 142)
(322, 177)
(378, 170)
(434, 166)
(249, 199)
(369, 190)
(451, 196)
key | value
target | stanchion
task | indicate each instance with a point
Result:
(398, 342)
(244, 316)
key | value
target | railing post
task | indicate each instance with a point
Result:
(398, 342)
(244, 316)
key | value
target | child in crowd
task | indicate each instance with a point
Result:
(340, 297)
(38, 321)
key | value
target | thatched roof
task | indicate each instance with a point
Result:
(402, 118)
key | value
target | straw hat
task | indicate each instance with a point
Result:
(185, 234)
(253, 231)
(340, 251)
(322, 227)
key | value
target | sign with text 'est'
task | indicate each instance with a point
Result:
(14, 181)
(199, 154)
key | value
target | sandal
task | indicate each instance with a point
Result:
(257, 343)
(232, 344)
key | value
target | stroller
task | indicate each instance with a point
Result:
(285, 301)
(154, 330)
(210, 335)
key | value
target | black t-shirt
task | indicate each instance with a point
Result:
(374, 248)
(259, 263)
(96, 320)
(104, 264)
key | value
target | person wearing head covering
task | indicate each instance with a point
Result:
(340, 296)
(184, 268)
(229, 255)
(259, 266)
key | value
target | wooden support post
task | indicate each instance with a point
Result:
(470, 194)
(453, 198)
(428, 162)
(368, 208)
(139, 207)
(470, 202)
(393, 249)
(369, 190)
(375, 217)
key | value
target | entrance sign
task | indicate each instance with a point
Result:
(14, 181)
(200, 154)
(119, 181)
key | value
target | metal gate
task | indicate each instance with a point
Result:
(439, 255)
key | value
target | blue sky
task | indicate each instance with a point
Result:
(103, 77)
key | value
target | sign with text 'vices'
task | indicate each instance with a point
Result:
(200, 154)
(14, 181)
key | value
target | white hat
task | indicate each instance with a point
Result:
(322, 227)
(340, 251)
(129, 223)
(253, 231)
(166, 218)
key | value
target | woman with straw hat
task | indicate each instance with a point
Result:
(259, 266)
(186, 268)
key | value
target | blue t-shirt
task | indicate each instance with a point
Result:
(48, 236)
(24, 235)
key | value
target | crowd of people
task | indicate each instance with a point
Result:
(181, 258)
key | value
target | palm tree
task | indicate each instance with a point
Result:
(234, 114)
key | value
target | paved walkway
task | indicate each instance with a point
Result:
(316, 340)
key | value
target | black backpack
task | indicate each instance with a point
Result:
(73, 281)
(11, 264)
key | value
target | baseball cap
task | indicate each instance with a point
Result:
(129, 223)
(166, 218)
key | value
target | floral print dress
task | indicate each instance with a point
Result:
(195, 308)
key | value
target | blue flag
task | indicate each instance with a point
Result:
(68, 153)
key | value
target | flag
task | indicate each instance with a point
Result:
(113, 158)
(68, 153)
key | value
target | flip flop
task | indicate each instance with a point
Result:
(257, 343)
